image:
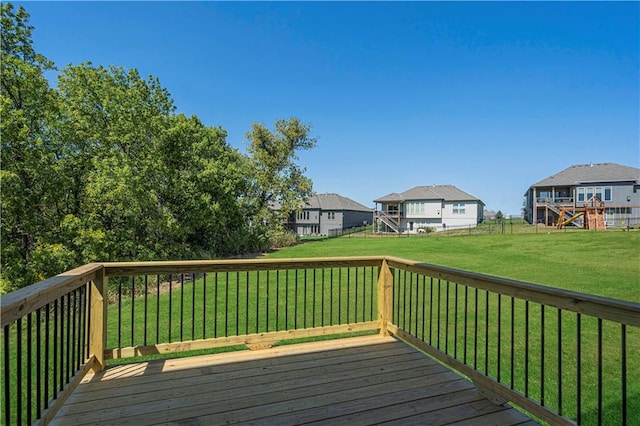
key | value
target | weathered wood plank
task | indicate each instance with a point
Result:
(452, 414)
(220, 399)
(154, 371)
(357, 381)
(503, 418)
(237, 387)
(372, 396)
(361, 407)
(131, 389)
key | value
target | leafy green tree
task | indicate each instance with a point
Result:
(31, 188)
(499, 215)
(149, 184)
(275, 179)
(198, 179)
(101, 168)
(110, 121)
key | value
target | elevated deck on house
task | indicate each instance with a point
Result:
(362, 380)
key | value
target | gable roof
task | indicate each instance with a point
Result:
(585, 173)
(333, 202)
(431, 192)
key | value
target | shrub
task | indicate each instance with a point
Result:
(284, 239)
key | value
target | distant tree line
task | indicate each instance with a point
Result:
(102, 168)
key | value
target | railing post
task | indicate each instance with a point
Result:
(98, 330)
(385, 296)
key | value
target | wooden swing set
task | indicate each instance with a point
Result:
(593, 213)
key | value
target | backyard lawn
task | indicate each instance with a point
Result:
(600, 263)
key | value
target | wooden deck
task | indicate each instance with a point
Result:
(364, 380)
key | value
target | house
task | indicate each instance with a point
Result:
(437, 206)
(325, 214)
(568, 191)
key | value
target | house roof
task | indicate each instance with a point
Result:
(333, 202)
(586, 173)
(431, 192)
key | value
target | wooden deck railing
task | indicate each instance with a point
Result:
(563, 356)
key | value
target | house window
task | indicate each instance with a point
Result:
(607, 193)
(459, 208)
(416, 208)
(304, 215)
(584, 194)
(331, 215)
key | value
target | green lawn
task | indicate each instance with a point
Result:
(601, 263)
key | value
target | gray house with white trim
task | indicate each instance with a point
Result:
(616, 185)
(323, 214)
(436, 206)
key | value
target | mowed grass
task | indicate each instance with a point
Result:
(600, 263)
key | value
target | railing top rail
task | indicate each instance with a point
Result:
(21, 302)
(195, 266)
(597, 306)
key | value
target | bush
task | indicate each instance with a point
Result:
(284, 239)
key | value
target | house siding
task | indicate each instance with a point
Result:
(352, 219)
(439, 215)
(423, 209)
(622, 207)
(435, 206)
(458, 220)
(328, 224)
(323, 220)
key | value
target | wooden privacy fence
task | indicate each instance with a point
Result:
(564, 357)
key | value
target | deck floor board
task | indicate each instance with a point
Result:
(363, 380)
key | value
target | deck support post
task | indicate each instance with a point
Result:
(385, 297)
(98, 330)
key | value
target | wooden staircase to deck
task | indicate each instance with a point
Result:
(389, 221)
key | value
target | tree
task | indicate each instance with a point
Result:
(275, 179)
(110, 122)
(199, 180)
(102, 169)
(155, 185)
(499, 215)
(29, 177)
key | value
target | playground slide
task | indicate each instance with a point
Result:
(571, 219)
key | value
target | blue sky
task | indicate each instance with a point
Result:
(490, 97)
